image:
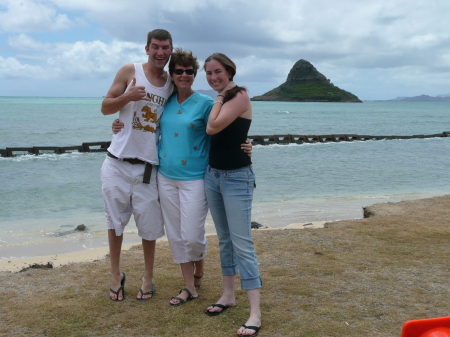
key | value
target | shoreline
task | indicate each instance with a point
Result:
(293, 215)
(55, 236)
(59, 260)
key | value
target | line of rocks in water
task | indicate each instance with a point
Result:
(256, 140)
(302, 139)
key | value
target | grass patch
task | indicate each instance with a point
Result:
(353, 278)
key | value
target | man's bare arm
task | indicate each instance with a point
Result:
(117, 97)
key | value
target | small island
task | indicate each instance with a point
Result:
(305, 84)
(423, 98)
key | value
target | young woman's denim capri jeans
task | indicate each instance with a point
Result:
(229, 194)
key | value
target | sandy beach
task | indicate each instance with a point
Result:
(352, 278)
(15, 265)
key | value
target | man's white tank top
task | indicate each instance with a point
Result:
(140, 136)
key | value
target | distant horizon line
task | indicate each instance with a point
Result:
(398, 98)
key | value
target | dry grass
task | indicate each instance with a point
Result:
(353, 278)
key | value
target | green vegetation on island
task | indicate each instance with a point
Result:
(305, 84)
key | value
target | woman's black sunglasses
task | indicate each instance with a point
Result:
(181, 71)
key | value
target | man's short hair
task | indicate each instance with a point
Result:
(159, 34)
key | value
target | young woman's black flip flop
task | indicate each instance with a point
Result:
(251, 327)
(215, 313)
(151, 292)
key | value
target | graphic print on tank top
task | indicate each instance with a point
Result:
(148, 112)
(148, 116)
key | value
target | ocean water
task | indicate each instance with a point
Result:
(43, 198)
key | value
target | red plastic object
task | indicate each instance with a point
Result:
(431, 327)
(438, 332)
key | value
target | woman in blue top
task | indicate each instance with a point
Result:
(183, 157)
(229, 183)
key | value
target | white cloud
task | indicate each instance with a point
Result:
(23, 42)
(425, 41)
(187, 6)
(387, 40)
(63, 61)
(95, 59)
(31, 16)
(11, 68)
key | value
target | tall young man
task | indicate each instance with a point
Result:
(139, 92)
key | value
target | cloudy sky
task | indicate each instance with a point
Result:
(380, 49)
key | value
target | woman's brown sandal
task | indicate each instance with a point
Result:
(182, 301)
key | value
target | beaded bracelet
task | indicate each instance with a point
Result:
(218, 102)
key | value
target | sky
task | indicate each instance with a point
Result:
(377, 50)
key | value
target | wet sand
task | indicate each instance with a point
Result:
(58, 260)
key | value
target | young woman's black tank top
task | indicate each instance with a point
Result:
(225, 152)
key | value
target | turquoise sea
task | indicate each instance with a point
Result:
(43, 198)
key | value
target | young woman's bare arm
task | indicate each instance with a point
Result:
(223, 115)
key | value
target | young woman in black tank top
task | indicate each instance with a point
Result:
(229, 184)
